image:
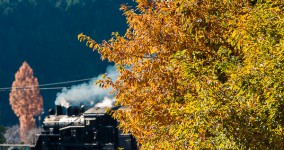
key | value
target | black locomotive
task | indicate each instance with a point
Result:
(82, 130)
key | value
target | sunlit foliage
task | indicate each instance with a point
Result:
(197, 74)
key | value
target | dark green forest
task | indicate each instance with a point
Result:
(44, 33)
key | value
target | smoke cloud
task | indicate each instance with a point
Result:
(88, 94)
(107, 102)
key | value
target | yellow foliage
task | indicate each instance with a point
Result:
(200, 74)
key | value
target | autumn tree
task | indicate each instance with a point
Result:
(198, 74)
(25, 99)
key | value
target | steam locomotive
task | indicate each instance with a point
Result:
(82, 130)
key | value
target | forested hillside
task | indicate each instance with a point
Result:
(44, 33)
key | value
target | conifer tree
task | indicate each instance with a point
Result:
(25, 99)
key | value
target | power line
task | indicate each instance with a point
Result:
(33, 88)
(66, 82)
(43, 85)
(53, 88)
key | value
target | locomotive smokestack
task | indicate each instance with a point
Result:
(73, 111)
(82, 109)
(51, 111)
(59, 110)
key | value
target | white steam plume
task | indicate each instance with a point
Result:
(88, 94)
(107, 102)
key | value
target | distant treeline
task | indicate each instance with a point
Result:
(8, 6)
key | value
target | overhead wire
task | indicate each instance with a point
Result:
(66, 82)
(33, 88)
(42, 86)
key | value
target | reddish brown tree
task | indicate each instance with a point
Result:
(25, 99)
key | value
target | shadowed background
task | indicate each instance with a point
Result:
(44, 33)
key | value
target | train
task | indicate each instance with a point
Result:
(78, 128)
